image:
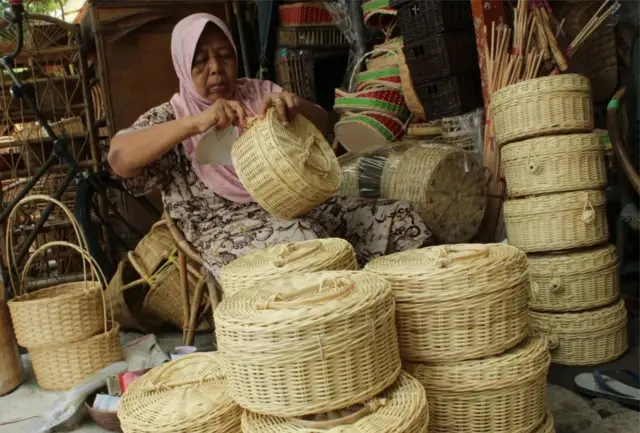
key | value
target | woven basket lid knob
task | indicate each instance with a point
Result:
(556, 285)
(535, 167)
(589, 216)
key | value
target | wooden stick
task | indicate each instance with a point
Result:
(184, 288)
(590, 28)
(195, 306)
(559, 29)
(586, 27)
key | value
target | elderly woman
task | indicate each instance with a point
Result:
(216, 214)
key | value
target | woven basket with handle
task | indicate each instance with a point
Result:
(154, 248)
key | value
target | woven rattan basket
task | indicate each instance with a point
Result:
(574, 281)
(400, 409)
(457, 302)
(154, 248)
(288, 170)
(309, 343)
(188, 395)
(587, 338)
(548, 426)
(557, 221)
(385, 54)
(260, 267)
(554, 164)
(11, 372)
(559, 104)
(500, 394)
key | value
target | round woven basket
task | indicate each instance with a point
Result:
(558, 104)
(188, 395)
(261, 266)
(554, 164)
(446, 186)
(288, 170)
(400, 409)
(574, 281)
(368, 131)
(500, 394)
(309, 343)
(557, 221)
(381, 100)
(586, 338)
(548, 426)
(457, 302)
(154, 248)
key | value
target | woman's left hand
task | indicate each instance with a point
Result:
(287, 104)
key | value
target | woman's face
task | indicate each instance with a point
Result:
(214, 69)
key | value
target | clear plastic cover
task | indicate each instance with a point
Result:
(465, 131)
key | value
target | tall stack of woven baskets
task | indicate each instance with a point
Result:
(554, 166)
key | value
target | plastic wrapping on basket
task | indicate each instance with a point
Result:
(465, 131)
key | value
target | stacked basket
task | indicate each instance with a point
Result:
(462, 323)
(555, 172)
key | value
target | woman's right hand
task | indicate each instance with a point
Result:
(220, 115)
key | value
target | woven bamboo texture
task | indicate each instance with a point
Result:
(382, 100)
(557, 221)
(188, 395)
(457, 302)
(554, 164)
(586, 338)
(154, 248)
(310, 343)
(574, 281)
(386, 54)
(259, 267)
(559, 104)
(548, 426)
(288, 170)
(11, 372)
(410, 96)
(500, 394)
(400, 409)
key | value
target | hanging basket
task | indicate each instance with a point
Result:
(288, 170)
(499, 394)
(557, 221)
(282, 342)
(382, 100)
(457, 302)
(589, 338)
(574, 281)
(368, 131)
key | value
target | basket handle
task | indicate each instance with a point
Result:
(323, 169)
(293, 252)
(456, 253)
(283, 301)
(365, 410)
(356, 68)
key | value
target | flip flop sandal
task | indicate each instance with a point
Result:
(599, 385)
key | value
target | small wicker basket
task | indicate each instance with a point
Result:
(457, 302)
(500, 394)
(154, 248)
(557, 221)
(260, 267)
(587, 338)
(400, 409)
(559, 104)
(288, 170)
(574, 281)
(554, 164)
(309, 343)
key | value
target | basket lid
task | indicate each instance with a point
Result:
(573, 263)
(539, 86)
(553, 145)
(552, 203)
(586, 322)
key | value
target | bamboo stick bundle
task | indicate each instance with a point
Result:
(596, 21)
(557, 54)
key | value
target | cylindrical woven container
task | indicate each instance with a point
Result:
(554, 164)
(500, 394)
(559, 104)
(402, 408)
(557, 221)
(309, 343)
(11, 372)
(457, 302)
(260, 267)
(288, 170)
(368, 131)
(188, 395)
(574, 281)
(588, 338)
(154, 248)
(548, 426)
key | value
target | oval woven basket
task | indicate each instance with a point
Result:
(368, 131)
(382, 100)
(574, 281)
(554, 164)
(309, 343)
(288, 170)
(587, 338)
(500, 394)
(457, 302)
(557, 221)
(559, 104)
(400, 409)
(188, 395)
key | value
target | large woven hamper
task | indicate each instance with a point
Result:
(457, 302)
(587, 338)
(309, 343)
(574, 281)
(500, 394)
(402, 408)
(557, 221)
(261, 266)
(288, 170)
(559, 104)
(554, 164)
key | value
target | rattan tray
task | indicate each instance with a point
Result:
(457, 302)
(500, 394)
(588, 338)
(557, 221)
